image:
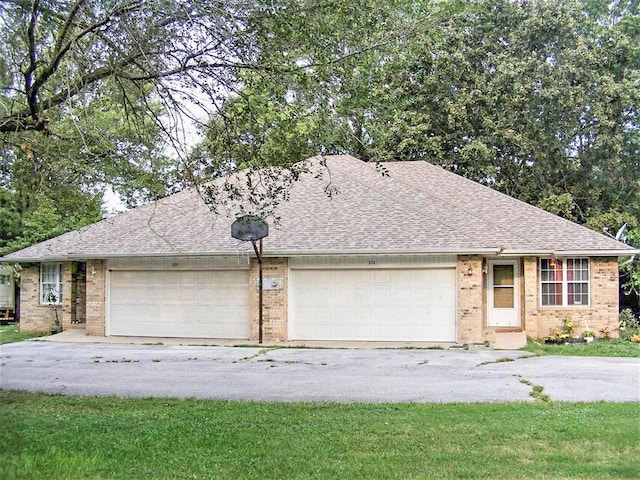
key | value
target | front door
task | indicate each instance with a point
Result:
(503, 305)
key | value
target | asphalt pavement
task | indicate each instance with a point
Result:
(313, 375)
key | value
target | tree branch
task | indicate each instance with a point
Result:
(31, 91)
(60, 51)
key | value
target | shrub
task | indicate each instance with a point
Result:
(566, 333)
(628, 324)
(568, 327)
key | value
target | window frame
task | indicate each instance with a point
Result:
(567, 281)
(56, 280)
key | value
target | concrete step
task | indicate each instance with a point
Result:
(509, 340)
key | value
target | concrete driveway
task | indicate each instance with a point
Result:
(312, 375)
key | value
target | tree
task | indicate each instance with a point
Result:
(536, 99)
(630, 270)
(49, 186)
(69, 123)
(191, 53)
(100, 92)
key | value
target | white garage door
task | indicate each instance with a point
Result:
(375, 305)
(197, 304)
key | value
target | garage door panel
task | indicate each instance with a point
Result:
(382, 277)
(376, 305)
(341, 296)
(382, 295)
(194, 296)
(130, 313)
(400, 296)
(446, 295)
(205, 304)
(403, 332)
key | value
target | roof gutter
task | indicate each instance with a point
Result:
(268, 253)
(328, 253)
(494, 251)
(487, 251)
(573, 253)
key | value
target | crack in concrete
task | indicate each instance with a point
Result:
(537, 391)
(262, 351)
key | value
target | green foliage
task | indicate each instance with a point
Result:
(561, 205)
(320, 99)
(51, 184)
(37, 201)
(74, 437)
(565, 333)
(628, 324)
(536, 99)
(598, 348)
(630, 268)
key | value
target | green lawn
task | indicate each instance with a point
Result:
(59, 437)
(11, 333)
(599, 348)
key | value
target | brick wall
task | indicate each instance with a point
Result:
(470, 299)
(601, 313)
(96, 273)
(35, 317)
(275, 302)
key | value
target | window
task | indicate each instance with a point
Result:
(503, 286)
(564, 282)
(50, 283)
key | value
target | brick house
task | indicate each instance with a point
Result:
(416, 254)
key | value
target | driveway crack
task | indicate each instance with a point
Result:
(262, 351)
(537, 391)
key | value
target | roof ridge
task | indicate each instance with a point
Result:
(357, 180)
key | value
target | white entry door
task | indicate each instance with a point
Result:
(503, 296)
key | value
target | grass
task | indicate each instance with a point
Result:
(599, 348)
(60, 437)
(11, 333)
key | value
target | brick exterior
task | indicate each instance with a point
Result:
(601, 313)
(35, 317)
(470, 298)
(96, 296)
(84, 300)
(275, 302)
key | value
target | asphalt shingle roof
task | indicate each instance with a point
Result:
(416, 208)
